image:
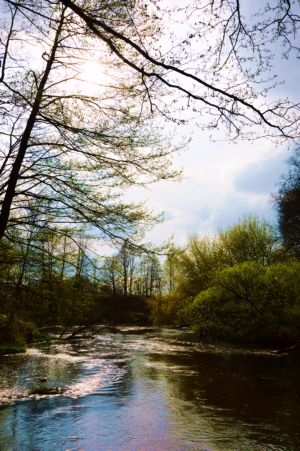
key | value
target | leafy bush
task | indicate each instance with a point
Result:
(165, 309)
(14, 333)
(10, 348)
(250, 240)
(251, 302)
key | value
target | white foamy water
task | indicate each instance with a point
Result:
(59, 356)
(102, 375)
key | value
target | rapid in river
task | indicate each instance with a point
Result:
(153, 391)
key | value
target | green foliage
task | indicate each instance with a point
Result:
(38, 336)
(196, 265)
(12, 348)
(167, 309)
(14, 333)
(50, 278)
(250, 240)
(240, 286)
(78, 302)
(15, 330)
(237, 286)
(252, 303)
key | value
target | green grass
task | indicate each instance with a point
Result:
(12, 348)
(39, 336)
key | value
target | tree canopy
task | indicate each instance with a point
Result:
(73, 149)
(69, 151)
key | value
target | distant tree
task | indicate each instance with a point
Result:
(251, 239)
(288, 205)
(111, 270)
(169, 269)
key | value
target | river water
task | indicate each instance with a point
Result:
(156, 391)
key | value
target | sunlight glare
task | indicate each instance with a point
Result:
(92, 76)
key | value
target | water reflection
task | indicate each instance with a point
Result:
(244, 402)
(152, 392)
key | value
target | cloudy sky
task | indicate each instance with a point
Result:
(223, 181)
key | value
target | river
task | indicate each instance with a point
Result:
(152, 391)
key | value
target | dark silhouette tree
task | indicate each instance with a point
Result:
(288, 205)
(62, 143)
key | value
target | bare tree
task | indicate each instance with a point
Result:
(222, 78)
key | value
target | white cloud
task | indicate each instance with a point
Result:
(223, 182)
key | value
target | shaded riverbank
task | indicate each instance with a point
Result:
(152, 391)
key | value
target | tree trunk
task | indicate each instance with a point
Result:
(16, 167)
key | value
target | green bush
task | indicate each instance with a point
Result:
(250, 240)
(169, 309)
(12, 348)
(14, 332)
(251, 302)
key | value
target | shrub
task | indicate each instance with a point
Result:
(252, 303)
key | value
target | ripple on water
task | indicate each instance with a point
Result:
(157, 392)
(98, 374)
(78, 375)
(57, 356)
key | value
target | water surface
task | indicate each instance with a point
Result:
(156, 391)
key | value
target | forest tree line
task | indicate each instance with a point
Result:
(239, 285)
(242, 284)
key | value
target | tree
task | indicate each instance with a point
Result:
(169, 269)
(111, 273)
(240, 55)
(288, 205)
(251, 239)
(75, 148)
(132, 274)
(71, 149)
(196, 266)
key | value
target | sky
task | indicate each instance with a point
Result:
(223, 181)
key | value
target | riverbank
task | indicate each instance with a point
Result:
(12, 348)
(185, 334)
